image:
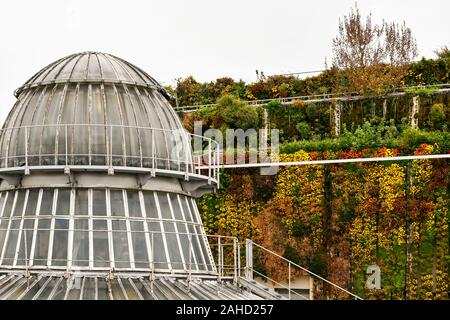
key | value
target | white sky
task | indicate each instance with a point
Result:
(204, 38)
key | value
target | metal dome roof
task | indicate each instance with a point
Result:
(91, 67)
(93, 105)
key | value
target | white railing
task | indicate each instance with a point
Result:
(317, 280)
(109, 147)
(319, 97)
(223, 264)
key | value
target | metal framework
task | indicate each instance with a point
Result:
(27, 153)
(102, 230)
(345, 96)
(330, 161)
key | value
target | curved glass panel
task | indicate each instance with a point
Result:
(103, 229)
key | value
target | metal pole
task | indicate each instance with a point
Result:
(219, 258)
(65, 129)
(234, 261)
(27, 170)
(153, 152)
(190, 263)
(239, 258)
(249, 259)
(153, 263)
(111, 169)
(27, 275)
(218, 167)
(209, 161)
(289, 290)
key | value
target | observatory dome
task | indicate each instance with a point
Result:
(93, 108)
(97, 174)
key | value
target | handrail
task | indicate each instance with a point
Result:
(304, 269)
(171, 151)
(316, 97)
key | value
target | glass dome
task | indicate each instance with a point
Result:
(97, 174)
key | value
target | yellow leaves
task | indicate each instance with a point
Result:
(391, 180)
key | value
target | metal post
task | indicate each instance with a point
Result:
(218, 167)
(209, 162)
(219, 258)
(239, 258)
(153, 153)
(190, 263)
(234, 261)
(248, 259)
(289, 284)
(27, 169)
(153, 263)
(27, 275)
(111, 169)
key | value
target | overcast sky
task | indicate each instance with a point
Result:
(204, 38)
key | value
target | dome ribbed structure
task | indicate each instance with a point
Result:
(98, 181)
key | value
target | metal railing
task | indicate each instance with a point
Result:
(320, 97)
(317, 284)
(109, 147)
(223, 263)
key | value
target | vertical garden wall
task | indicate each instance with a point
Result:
(337, 220)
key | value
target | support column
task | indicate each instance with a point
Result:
(415, 112)
(335, 116)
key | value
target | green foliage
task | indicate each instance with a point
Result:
(419, 91)
(317, 264)
(304, 130)
(372, 136)
(235, 114)
(299, 229)
(436, 117)
(291, 254)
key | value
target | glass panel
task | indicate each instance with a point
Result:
(120, 240)
(81, 202)
(60, 242)
(176, 207)
(193, 208)
(11, 242)
(47, 202)
(63, 204)
(172, 245)
(150, 205)
(80, 251)
(2, 201)
(99, 203)
(8, 206)
(3, 230)
(139, 244)
(159, 254)
(134, 205)
(202, 242)
(97, 128)
(42, 238)
(186, 209)
(101, 249)
(196, 247)
(27, 234)
(164, 205)
(80, 134)
(117, 206)
(18, 210)
(33, 196)
(184, 240)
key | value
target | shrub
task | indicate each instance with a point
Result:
(436, 117)
(235, 114)
(304, 130)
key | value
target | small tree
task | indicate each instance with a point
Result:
(371, 57)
